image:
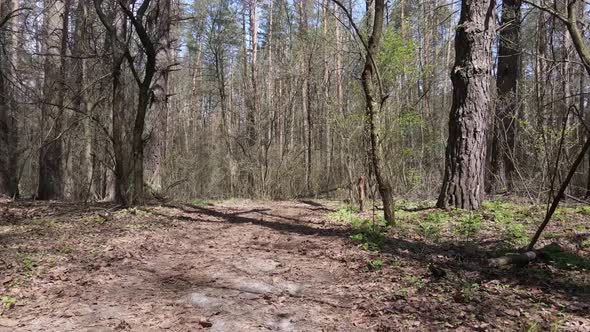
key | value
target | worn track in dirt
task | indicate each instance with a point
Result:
(265, 266)
(228, 268)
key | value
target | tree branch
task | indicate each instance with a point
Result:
(382, 94)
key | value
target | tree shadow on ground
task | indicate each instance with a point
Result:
(278, 223)
(461, 257)
(316, 206)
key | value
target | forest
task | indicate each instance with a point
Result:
(295, 165)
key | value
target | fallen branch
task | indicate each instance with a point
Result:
(521, 259)
(576, 199)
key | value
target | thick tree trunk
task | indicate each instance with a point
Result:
(502, 165)
(121, 152)
(138, 197)
(51, 173)
(121, 148)
(137, 192)
(82, 104)
(8, 125)
(144, 85)
(463, 182)
(158, 115)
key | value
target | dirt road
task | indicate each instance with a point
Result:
(241, 266)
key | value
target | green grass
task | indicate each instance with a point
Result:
(199, 202)
(437, 217)
(503, 212)
(469, 225)
(44, 222)
(415, 281)
(7, 302)
(345, 215)
(28, 263)
(369, 234)
(431, 226)
(429, 230)
(374, 265)
(585, 210)
(469, 291)
(369, 239)
(510, 217)
(566, 260)
(517, 233)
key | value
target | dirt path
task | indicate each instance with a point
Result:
(247, 266)
(220, 268)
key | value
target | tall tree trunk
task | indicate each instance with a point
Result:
(463, 181)
(51, 181)
(251, 99)
(137, 196)
(326, 13)
(585, 117)
(158, 115)
(502, 165)
(81, 102)
(305, 90)
(121, 147)
(144, 84)
(7, 146)
(373, 102)
(8, 124)
(270, 76)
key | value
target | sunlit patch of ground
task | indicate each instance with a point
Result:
(286, 266)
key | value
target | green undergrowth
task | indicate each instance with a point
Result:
(566, 260)
(7, 302)
(369, 234)
(200, 202)
(509, 222)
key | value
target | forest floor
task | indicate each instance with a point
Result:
(286, 266)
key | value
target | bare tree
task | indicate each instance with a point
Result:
(8, 126)
(158, 115)
(508, 72)
(51, 172)
(138, 19)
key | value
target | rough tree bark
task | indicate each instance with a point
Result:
(51, 179)
(8, 125)
(119, 119)
(144, 85)
(137, 19)
(463, 181)
(82, 102)
(116, 26)
(361, 188)
(373, 102)
(502, 158)
(374, 99)
(158, 115)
